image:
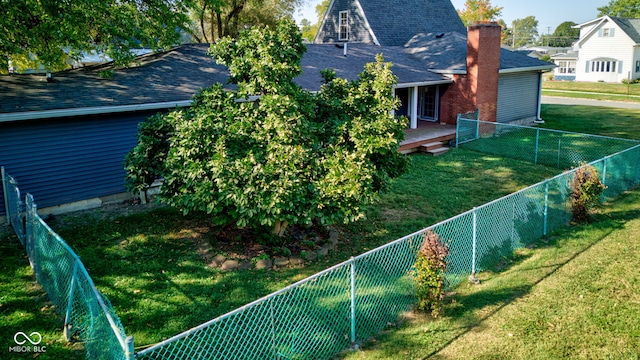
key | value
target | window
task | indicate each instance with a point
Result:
(343, 25)
(567, 67)
(603, 66)
(637, 65)
(606, 32)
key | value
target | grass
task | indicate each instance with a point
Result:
(573, 295)
(592, 96)
(146, 263)
(621, 123)
(592, 87)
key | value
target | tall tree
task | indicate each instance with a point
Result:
(524, 32)
(621, 8)
(563, 36)
(289, 158)
(479, 10)
(40, 30)
(309, 30)
(214, 19)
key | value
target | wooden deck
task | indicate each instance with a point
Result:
(427, 132)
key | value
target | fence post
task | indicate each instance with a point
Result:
(477, 129)
(473, 252)
(457, 129)
(546, 207)
(130, 352)
(353, 301)
(4, 192)
(604, 178)
(30, 238)
(535, 161)
(72, 289)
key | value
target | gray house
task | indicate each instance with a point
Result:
(65, 140)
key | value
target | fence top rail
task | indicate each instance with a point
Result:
(96, 293)
(551, 130)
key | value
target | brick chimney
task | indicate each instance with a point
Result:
(478, 88)
(483, 64)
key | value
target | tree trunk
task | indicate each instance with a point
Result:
(280, 227)
(204, 31)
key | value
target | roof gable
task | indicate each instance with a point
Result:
(630, 27)
(391, 23)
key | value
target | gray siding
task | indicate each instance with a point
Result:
(358, 32)
(71, 159)
(517, 96)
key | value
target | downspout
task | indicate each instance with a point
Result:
(414, 108)
(538, 118)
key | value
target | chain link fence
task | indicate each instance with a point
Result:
(560, 149)
(88, 315)
(341, 306)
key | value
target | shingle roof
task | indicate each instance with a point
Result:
(320, 56)
(178, 74)
(395, 22)
(171, 76)
(630, 26)
(448, 51)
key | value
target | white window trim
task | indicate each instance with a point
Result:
(346, 13)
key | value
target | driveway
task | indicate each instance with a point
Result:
(589, 102)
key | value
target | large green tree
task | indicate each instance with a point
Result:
(621, 8)
(524, 32)
(479, 10)
(288, 158)
(214, 19)
(563, 36)
(42, 30)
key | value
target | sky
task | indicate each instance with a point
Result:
(549, 13)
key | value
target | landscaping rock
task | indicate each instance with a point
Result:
(263, 264)
(281, 261)
(310, 255)
(219, 260)
(229, 265)
(244, 265)
(324, 250)
(295, 260)
(333, 236)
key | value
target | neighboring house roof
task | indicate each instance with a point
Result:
(447, 53)
(568, 56)
(396, 22)
(630, 26)
(408, 70)
(175, 75)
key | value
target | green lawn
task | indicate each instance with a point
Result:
(575, 295)
(146, 263)
(572, 295)
(593, 87)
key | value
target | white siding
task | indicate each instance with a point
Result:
(518, 96)
(618, 47)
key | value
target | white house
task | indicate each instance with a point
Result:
(608, 50)
(566, 66)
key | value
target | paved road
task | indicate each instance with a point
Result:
(589, 102)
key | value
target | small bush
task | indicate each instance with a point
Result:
(586, 189)
(429, 274)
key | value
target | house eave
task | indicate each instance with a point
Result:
(530, 68)
(449, 72)
(58, 113)
(422, 83)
